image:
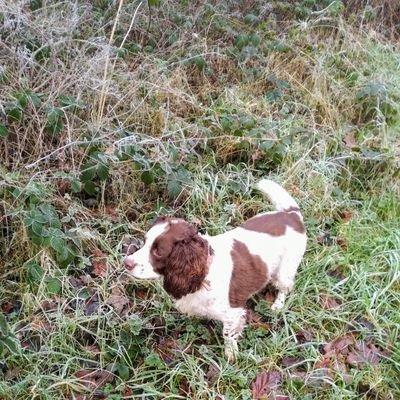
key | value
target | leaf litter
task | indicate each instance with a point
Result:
(266, 386)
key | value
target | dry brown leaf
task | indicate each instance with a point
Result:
(345, 215)
(350, 140)
(365, 353)
(253, 317)
(7, 307)
(112, 213)
(76, 283)
(212, 374)
(91, 306)
(92, 349)
(289, 362)
(118, 300)
(339, 345)
(40, 323)
(99, 268)
(99, 262)
(94, 379)
(304, 336)
(262, 325)
(343, 243)
(265, 383)
(167, 349)
(329, 303)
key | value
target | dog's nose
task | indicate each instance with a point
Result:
(129, 264)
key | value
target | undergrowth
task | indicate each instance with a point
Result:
(114, 112)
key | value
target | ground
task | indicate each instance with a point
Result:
(114, 112)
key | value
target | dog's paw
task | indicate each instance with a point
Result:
(231, 351)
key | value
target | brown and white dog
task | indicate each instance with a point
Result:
(214, 276)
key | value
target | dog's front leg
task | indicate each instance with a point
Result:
(234, 323)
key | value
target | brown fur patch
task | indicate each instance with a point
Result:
(275, 223)
(180, 255)
(249, 275)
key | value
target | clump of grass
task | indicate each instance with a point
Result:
(110, 116)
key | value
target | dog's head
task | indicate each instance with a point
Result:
(175, 251)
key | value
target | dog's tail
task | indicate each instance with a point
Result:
(279, 197)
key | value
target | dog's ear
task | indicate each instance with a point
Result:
(161, 249)
(186, 267)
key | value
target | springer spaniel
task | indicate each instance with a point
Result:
(214, 276)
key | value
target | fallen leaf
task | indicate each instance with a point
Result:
(253, 317)
(265, 383)
(76, 283)
(92, 349)
(298, 375)
(339, 345)
(167, 349)
(212, 374)
(113, 213)
(365, 353)
(362, 325)
(350, 140)
(86, 279)
(91, 306)
(117, 300)
(343, 243)
(329, 303)
(99, 268)
(49, 305)
(40, 323)
(99, 261)
(289, 362)
(97, 253)
(94, 379)
(7, 307)
(345, 215)
(324, 362)
(127, 393)
(304, 336)
(184, 388)
(141, 294)
(261, 325)
(337, 273)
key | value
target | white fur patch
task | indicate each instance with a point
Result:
(143, 268)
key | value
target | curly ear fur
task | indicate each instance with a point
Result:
(186, 267)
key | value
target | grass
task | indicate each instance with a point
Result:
(114, 112)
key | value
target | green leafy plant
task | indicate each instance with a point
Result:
(95, 170)
(8, 342)
(44, 229)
